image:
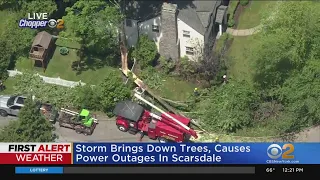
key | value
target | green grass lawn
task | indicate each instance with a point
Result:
(239, 65)
(251, 16)
(61, 66)
(9, 83)
(176, 90)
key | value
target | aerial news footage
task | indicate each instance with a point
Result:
(159, 83)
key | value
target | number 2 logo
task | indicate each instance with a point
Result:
(275, 151)
(60, 24)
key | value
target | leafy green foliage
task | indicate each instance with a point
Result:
(152, 78)
(244, 2)
(145, 52)
(186, 68)
(287, 67)
(95, 25)
(229, 107)
(113, 90)
(102, 97)
(30, 84)
(48, 6)
(64, 51)
(231, 10)
(31, 126)
(16, 42)
(166, 65)
(87, 97)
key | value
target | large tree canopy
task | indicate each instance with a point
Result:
(94, 24)
(31, 126)
(287, 61)
(289, 39)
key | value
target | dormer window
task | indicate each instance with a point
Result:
(155, 28)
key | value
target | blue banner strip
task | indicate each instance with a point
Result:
(196, 153)
(39, 170)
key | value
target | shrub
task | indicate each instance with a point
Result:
(64, 51)
(231, 22)
(231, 10)
(166, 65)
(244, 2)
(145, 52)
(186, 68)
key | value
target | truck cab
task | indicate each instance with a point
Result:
(85, 118)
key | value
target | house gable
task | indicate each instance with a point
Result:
(190, 40)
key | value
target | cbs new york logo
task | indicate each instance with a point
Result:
(276, 151)
(59, 24)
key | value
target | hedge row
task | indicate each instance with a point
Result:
(233, 5)
(231, 11)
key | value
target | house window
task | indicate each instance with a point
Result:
(186, 34)
(155, 28)
(189, 51)
(128, 23)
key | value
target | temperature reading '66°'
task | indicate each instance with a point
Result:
(270, 170)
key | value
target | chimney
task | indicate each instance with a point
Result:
(168, 46)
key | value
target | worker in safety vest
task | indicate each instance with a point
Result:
(196, 92)
(216, 140)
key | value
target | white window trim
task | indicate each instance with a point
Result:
(155, 28)
(189, 50)
(186, 34)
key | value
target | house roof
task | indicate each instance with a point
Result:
(43, 39)
(220, 14)
(195, 13)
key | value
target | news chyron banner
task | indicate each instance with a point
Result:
(156, 153)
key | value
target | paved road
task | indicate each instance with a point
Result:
(309, 135)
(106, 131)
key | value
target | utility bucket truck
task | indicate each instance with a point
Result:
(82, 123)
(166, 127)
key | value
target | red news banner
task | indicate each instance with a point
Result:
(35, 153)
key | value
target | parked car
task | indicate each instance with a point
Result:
(11, 105)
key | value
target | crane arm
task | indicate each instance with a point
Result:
(191, 131)
(161, 111)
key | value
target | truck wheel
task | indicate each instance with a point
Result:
(86, 132)
(3, 113)
(122, 128)
(162, 140)
(78, 130)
